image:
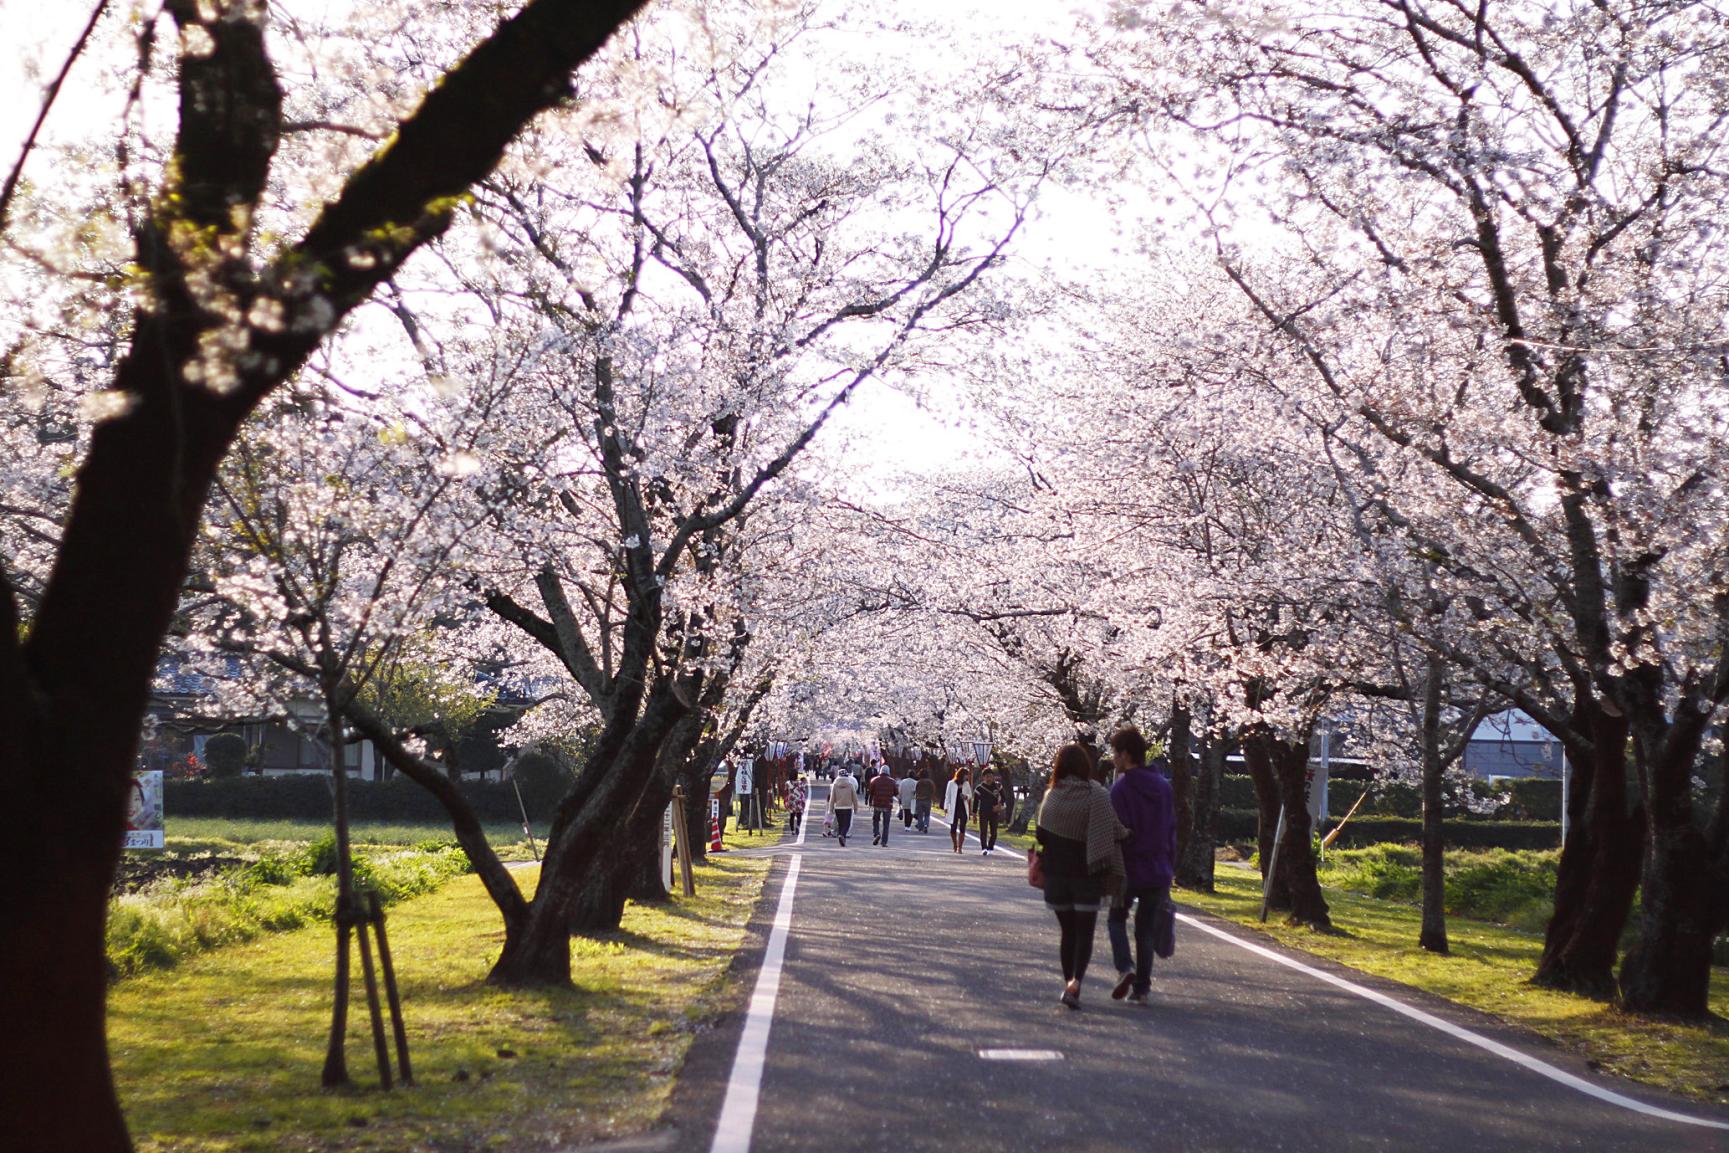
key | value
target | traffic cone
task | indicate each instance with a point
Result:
(714, 845)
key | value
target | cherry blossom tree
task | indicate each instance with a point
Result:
(219, 315)
(1502, 272)
(684, 307)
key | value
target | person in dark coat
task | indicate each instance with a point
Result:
(1144, 803)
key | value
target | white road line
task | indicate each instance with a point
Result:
(1560, 1076)
(744, 1088)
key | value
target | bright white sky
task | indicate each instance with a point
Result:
(881, 435)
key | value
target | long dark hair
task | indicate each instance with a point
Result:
(1072, 761)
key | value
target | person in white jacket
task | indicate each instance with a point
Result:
(958, 802)
(842, 800)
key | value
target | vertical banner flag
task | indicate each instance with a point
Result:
(144, 818)
(1315, 778)
(666, 849)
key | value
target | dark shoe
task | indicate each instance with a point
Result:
(1138, 997)
(1125, 980)
(1071, 996)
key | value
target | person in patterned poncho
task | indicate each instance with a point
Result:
(1078, 837)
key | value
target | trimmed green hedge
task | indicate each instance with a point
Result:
(1241, 825)
(308, 799)
(1520, 800)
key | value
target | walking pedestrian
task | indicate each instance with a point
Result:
(924, 791)
(958, 802)
(842, 800)
(795, 802)
(908, 792)
(987, 802)
(882, 793)
(1143, 801)
(1078, 836)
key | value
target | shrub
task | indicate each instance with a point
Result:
(225, 755)
(320, 856)
(276, 869)
(1387, 872)
(543, 779)
(1516, 888)
(1513, 888)
(1532, 799)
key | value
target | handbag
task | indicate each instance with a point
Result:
(1035, 869)
(1165, 930)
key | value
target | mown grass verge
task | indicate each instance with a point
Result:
(1489, 969)
(223, 834)
(223, 1053)
(284, 887)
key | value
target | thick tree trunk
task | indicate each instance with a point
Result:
(696, 810)
(538, 951)
(581, 874)
(1433, 935)
(1296, 887)
(56, 1092)
(1195, 867)
(1668, 968)
(1599, 869)
(1258, 760)
(598, 904)
(639, 847)
(1030, 810)
(1297, 875)
(1182, 761)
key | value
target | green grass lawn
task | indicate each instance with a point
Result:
(224, 1052)
(1489, 969)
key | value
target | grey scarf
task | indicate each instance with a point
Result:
(1081, 811)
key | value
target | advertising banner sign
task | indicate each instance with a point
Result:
(144, 818)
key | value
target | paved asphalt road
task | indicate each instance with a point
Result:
(901, 964)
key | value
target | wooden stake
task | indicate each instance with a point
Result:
(378, 1044)
(681, 841)
(390, 993)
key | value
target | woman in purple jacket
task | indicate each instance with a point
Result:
(1143, 801)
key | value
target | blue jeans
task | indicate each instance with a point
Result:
(881, 819)
(1147, 900)
(922, 815)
